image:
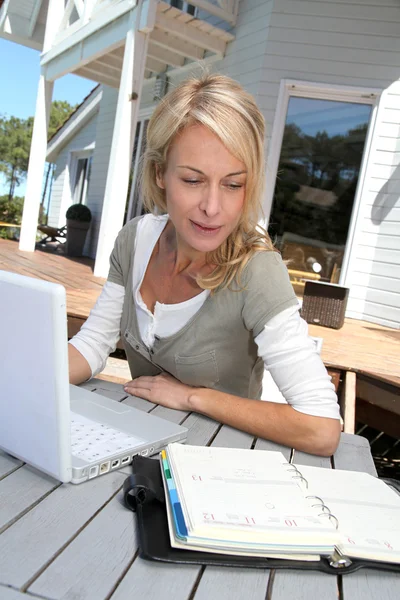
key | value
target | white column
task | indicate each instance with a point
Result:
(130, 90)
(37, 159)
(37, 156)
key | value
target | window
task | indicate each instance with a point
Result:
(81, 179)
(134, 205)
(317, 177)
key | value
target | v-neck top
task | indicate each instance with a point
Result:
(167, 319)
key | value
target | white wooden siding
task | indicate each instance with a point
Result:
(83, 139)
(98, 177)
(374, 269)
(348, 42)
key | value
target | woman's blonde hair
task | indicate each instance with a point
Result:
(225, 108)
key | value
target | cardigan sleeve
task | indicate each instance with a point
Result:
(122, 255)
(268, 290)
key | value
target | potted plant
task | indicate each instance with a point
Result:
(78, 222)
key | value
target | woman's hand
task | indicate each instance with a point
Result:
(162, 389)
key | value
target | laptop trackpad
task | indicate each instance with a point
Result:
(83, 398)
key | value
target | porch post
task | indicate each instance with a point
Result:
(130, 90)
(37, 159)
(37, 156)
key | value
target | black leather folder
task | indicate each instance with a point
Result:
(144, 495)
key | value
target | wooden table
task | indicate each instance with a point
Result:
(78, 542)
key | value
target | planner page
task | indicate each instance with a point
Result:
(247, 499)
(368, 511)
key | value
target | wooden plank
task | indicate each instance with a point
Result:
(379, 393)
(185, 49)
(20, 491)
(39, 536)
(267, 445)
(7, 593)
(90, 567)
(233, 584)
(369, 584)
(191, 34)
(348, 401)
(8, 464)
(379, 418)
(354, 454)
(154, 581)
(336, 375)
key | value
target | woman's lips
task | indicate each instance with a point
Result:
(205, 230)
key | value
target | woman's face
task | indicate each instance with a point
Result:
(205, 188)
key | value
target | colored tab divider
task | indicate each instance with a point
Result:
(179, 519)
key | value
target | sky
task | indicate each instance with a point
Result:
(19, 76)
(336, 118)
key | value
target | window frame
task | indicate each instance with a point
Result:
(319, 91)
(75, 157)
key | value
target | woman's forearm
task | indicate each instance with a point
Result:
(279, 423)
(79, 368)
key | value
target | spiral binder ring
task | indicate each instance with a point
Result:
(330, 516)
(320, 503)
(298, 474)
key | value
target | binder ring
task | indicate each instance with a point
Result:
(316, 498)
(298, 475)
(323, 506)
(330, 516)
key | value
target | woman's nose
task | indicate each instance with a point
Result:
(211, 201)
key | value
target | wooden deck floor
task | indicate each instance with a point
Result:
(358, 346)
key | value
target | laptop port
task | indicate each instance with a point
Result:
(151, 450)
(144, 452)
(125, 460)
(104, 467)
(93, 472)
(115, 463)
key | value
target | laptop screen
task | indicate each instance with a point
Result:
(34, 390)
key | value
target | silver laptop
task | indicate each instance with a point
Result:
(64, 430)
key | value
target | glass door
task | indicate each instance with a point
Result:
(322, 149)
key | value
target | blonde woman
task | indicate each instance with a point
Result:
(196, 291)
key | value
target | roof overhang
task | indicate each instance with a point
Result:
(82, 115)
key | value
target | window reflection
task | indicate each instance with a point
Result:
(320, 160)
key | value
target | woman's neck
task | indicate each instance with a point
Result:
(182, 258)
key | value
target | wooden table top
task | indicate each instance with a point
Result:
(78, 542)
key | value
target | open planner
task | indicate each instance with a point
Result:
(253, 508)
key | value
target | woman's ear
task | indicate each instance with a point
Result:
(159, 177)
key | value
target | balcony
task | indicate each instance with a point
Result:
(89, 39)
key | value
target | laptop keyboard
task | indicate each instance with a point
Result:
(94, 441)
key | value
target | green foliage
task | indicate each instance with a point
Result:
(79, 212)
(10, 212)
(15, 142)
(60, 112)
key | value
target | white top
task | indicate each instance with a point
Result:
(289, 354)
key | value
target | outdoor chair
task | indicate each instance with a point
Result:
(52, 234)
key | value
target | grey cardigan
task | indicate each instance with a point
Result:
(216, 348)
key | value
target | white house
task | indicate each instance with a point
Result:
(325, 74)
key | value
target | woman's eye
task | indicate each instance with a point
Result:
(192, 181)
(234, 186)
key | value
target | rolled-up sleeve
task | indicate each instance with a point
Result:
(290, 356)
(99, 335)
